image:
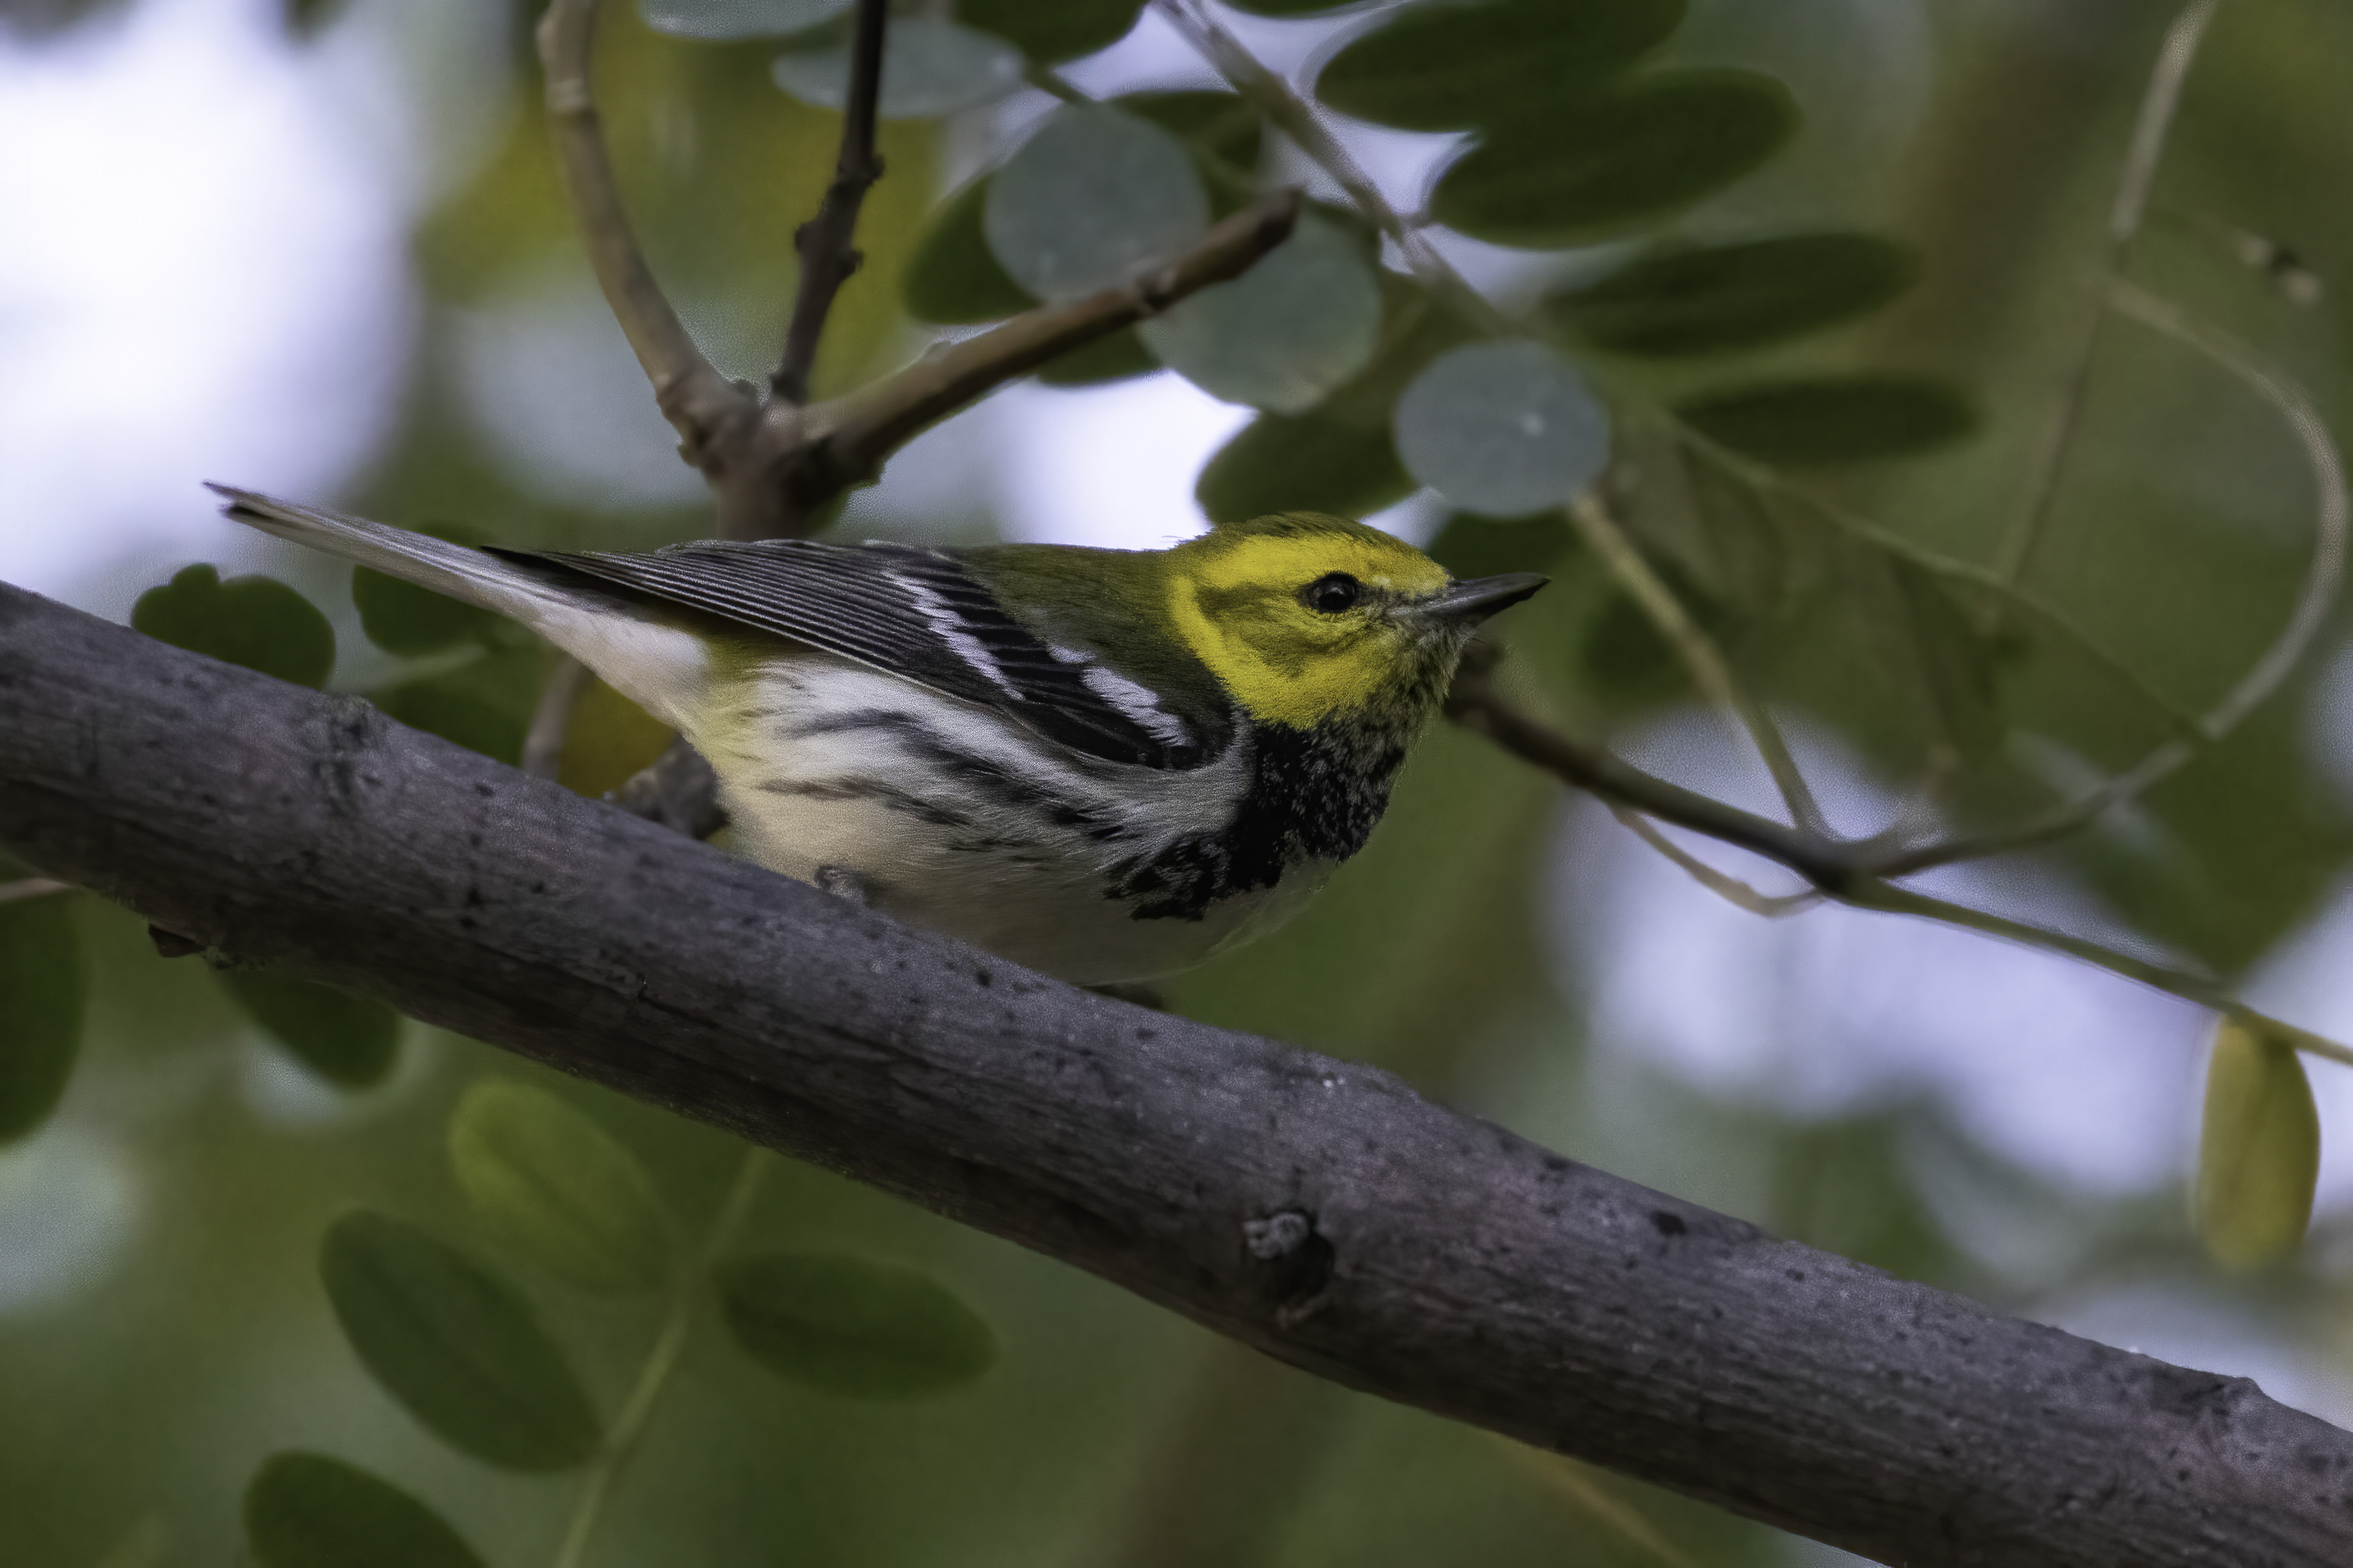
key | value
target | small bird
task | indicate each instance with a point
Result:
(1106, 764)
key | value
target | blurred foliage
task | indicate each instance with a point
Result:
(1791, 326)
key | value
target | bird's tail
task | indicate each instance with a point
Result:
(655, 665)
(419, 558)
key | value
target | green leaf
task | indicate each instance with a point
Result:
(930, 68)
(1821, 420)
(1311, 463)
(309, 1510)
(2258, 1152)
(552, 1185)
(1093, 196)
(257, 622)
(853, 1327)
(721, 20)
(1299, 323)
(1592, 168)
(455, 1345)
(1454, 68)
(42, 988)
(347, 1039)
(1713, 298)
(1223, 131)
(953, 278)
(404, 618)
(1503, 428)
(1052, 31)
(1117, 357)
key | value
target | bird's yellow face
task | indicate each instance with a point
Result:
(1304, 616)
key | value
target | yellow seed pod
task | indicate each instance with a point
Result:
(2259, 1152)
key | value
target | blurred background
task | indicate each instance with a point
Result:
(322, 255)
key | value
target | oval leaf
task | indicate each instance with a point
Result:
(726, 19)
(257, 622)
(1094, 195)
(347, 1039)
(2258, 1151)
(953, 278)
(42, 989)
(1314, 463)
(1453, 67)
(1114, 358)
(1717, 298)
(1501, 428)
(308, 1511)
(556, 1187)
(853, 1327)
(1821, 420)
(929, 67)
(1224, 131)
(1657, 146)
(1052, 31)
(1301, 320)
(455, 1345)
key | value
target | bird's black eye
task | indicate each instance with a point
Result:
(1333, 592)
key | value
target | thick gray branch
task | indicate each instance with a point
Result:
(1318, 1210)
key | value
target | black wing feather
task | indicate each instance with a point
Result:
(898, 608)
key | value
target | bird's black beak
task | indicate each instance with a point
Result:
(1470, 603)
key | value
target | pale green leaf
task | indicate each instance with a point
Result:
(1501, 428)
(930, 68)
(1093, 197)
(2258, 1151)
(1301, 320)
(552, 1185)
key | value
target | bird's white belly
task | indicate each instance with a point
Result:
(928, 808)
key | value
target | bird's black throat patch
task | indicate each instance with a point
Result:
(1314, 794)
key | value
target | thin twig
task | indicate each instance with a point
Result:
(846, 438)
(1232, 59)
(1474, 704)
(1836, 870)
(653, 1378)
(550, 721)
(827, 258)
(2157, 104)
(1730, 889)
(31, 888)
(1698, 653)
(1887, 898)
(700, 404)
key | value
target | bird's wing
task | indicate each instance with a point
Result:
(913, 613)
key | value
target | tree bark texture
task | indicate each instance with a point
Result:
(1315, 1209)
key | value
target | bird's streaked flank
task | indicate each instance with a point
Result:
(1103, 763)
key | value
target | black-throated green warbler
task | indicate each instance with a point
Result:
(1103, 763)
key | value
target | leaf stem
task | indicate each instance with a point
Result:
(1699, 654)
(653, 1378)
